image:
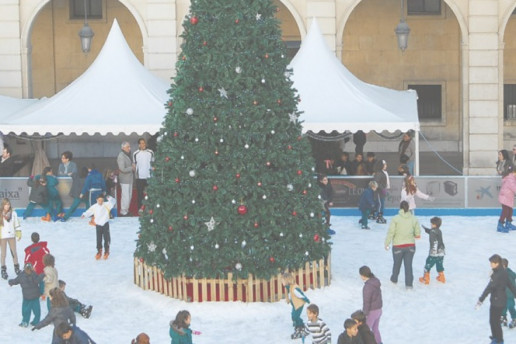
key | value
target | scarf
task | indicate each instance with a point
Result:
(6, 216)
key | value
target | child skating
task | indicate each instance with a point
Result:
(436, 254)
(297, 300)
(29, 282)
(100, 211)
(318, 329)
(75, 304)
(367, 203)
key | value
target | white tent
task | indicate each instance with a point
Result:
(115, 95)
(333, 99)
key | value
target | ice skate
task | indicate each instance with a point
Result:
(86, 311)
(98, 255)
(17, 269)
(365, 227)
(297, 334)
(4, 272)
(512, 324)
(381, 219)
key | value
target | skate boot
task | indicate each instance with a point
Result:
(365, 227)
(425, 279)
(106, 255)
(98, 255)
(17, 269)
(381, 219)
(442, 279)
(86, 311)
(296, 334)
(4, 272)
(509, 225)
(512, 324)
(501, 228)
(503, 320)
(371, 216)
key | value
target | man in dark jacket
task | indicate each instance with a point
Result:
(7, 166)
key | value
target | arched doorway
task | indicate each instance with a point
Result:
(509, 78)
(431, 64)
(289, 28)
(56, 58)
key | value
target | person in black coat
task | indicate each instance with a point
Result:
(496, 287)
(364, 332)
(7, 166)
(38, 195)
(326, 196)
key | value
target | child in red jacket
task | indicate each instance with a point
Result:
(35, 252)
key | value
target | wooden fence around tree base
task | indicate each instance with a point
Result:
(315, 274)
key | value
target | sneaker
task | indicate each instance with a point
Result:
(106, 255)
(98, 255)
(365, 227)
(503, 320)
(23, 324)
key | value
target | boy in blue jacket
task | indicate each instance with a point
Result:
(29, 282)
(367, 203)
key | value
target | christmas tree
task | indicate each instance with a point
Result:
(233, 187)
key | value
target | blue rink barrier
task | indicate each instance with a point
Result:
(426, 212)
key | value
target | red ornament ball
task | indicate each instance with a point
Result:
(259, 183)
(194, 20)
(278, 101)
(167, 158)
(242, 209)
(176, 133)
(266, 56)
(289, 147)
(237, 175)
(256, 225)
(299, 172)
(215, 187)
(216, 152)
(272, 260)
(141, 260)
(177, 180)
(255, 102)
(205, 43)
(151, 211)
(185, 217)
(170, 104)
(268, 163)
(316, 238)
(170, 229)
(304, 192)
(201, 89)
(215, 119)
(294, 213)
(237, 21)
(184, 58)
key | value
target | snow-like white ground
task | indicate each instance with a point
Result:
(425, 315)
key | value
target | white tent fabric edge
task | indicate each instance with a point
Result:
(333, 99)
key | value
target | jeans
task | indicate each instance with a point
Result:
(403, 255)
(103, 232)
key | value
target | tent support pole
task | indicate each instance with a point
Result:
(416, 165)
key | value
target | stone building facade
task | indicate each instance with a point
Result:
(461, 55)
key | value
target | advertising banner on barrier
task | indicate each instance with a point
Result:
(17, 190)
(448, 191)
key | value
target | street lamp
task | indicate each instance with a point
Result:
(86, 33)
(402, 31)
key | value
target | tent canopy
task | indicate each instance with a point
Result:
(115, 95)
(333, 99)
(10, 106)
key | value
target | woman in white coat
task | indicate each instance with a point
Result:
(10, 230)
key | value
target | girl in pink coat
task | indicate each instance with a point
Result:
(506, 199)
